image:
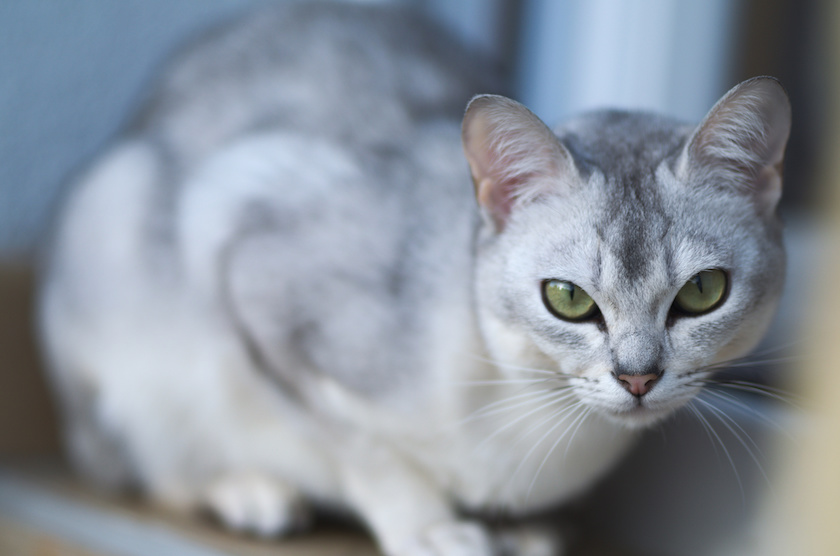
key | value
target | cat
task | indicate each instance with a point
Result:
(285, 287)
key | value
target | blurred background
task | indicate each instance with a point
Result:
(73, 71)
(71, 74)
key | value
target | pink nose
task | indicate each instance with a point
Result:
(638, 385)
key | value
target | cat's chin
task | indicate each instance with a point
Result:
(638, 417)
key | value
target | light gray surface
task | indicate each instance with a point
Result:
(96, 530)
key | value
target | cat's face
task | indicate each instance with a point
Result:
(631, 266)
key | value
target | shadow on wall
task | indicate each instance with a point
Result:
(28, 423)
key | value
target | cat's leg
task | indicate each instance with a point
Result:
(81, 280)
(248, 459)
(243, 464)
(407, 512)
(257, 502)
(98, 454)
(178, 412)
(528, 539)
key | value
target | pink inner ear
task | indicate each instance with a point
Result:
(502, 181)
(768, 187)
(510, 151)
(498, 198)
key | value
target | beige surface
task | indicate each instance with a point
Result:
(811, 509)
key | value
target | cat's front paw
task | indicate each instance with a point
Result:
(257, 503)
(530, 540)
(459, 538)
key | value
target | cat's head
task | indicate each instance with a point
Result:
(629, 251)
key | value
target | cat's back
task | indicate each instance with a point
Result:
(331, 114)
(360, 81)
(308, 153)
(362, 74)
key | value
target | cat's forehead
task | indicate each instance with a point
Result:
(621, 144)
(613, 236)
(624, 161)
(630, 220)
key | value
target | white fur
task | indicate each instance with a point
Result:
(161, 358)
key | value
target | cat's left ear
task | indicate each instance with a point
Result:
(514, 157)
(741, 142)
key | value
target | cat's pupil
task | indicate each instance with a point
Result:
(702, 293)
(568, 301)
(699, 283)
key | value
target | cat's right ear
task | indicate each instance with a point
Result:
(514, 157)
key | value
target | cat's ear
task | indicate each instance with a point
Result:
(514, 157)
(741, 142)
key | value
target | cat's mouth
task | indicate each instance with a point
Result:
(638, 413)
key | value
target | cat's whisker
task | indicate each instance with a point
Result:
(733, 427)
(706, 425)
(759, 362)
(542, 422)
(501, 381)
(726, 452)
(733, 400)
(760, 389)
(765, 390)
(722, 414)
(747, 362)
(765, 387)
(574, 432)
(495, 408)
(723, 366)
(774, 349)
(555, 398)
(568, 410)
(558, 399)
(583, 414)
(520, 368)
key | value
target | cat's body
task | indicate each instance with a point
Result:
(266, 294)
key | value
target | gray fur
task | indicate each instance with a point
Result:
(258, 75)
(282, 270)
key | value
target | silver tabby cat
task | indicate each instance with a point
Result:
(277, 290)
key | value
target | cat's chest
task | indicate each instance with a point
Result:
(521, 456)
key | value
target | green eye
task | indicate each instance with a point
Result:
(702, 293)
(567, 301)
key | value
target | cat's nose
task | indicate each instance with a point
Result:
(638, 385)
